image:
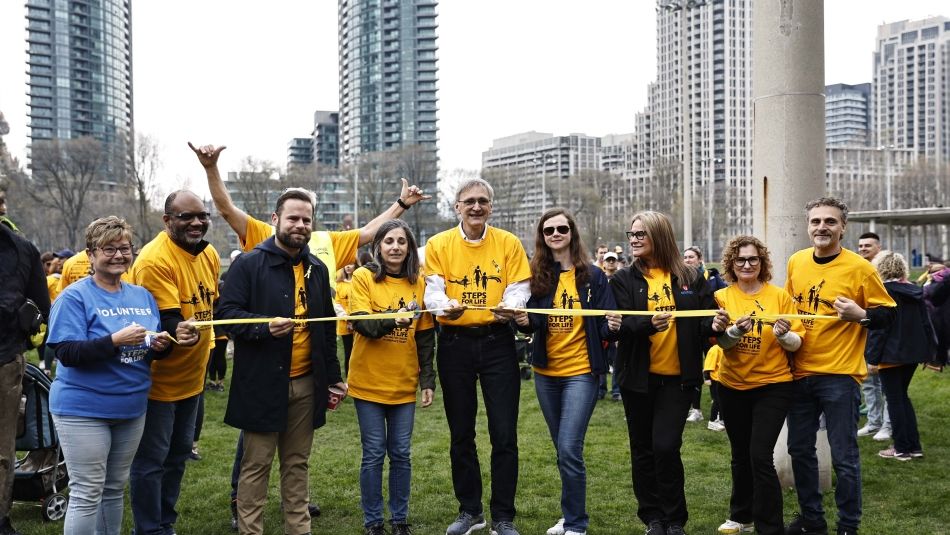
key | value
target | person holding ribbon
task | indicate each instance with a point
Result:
(755, 381)
(283, 363)
(567, 351)
(391, 358)
(659, 365)
(100, 333)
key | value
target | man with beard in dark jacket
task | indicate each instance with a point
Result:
(280, 279)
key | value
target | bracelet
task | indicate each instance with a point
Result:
(402, 203)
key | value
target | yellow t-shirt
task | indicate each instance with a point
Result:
(300, 354)
(712, 362)
(52, 286)
(664, 353)
(386, 370)
(757, 359)
(566, 338)
(832, 346)
(77, 267)
(476, 274)
(332, 248)
(343, 298)
(179, 280)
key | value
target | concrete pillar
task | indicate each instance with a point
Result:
(788, 151)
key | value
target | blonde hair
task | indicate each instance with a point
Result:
(890, 265)
(107, 230)
(666, 255)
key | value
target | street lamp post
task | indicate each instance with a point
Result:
(355, 160)
(710, 199)
(543, 162)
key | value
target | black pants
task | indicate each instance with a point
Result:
(200, 416)
(714, 408)
(754, 420)
(347, 351)
(218, 361)
(655, 422)
(895, 382)
(490, 360)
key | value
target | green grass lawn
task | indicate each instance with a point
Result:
(898, 497)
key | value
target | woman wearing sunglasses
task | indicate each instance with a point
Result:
(658, 365)
(567, 351)
(755, 381)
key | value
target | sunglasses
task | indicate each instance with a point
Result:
(563, 230)
(189, 216)
(640, 235)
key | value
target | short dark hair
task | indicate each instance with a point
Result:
(871, 235)
(299, 194)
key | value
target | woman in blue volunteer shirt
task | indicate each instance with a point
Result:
(99, 332)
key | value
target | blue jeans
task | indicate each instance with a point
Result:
(385, 429)
(567, 404)
(159, 464)
(878, 415)
(98, 453)
(839, 398)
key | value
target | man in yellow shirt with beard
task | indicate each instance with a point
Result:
(828, 368)
(180, 269)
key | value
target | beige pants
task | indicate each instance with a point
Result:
(293, 450)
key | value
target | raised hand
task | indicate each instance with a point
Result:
(207, 154)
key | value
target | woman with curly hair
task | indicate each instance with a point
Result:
(755, 381)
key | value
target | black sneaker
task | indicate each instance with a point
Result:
(847, 531)
(402, 529)
(6, 528)
(376, 529)
(314, 509)
(234, 522)
(656, 528)
(799, 526)
(675, 529)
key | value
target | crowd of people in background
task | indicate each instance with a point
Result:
(134, 355)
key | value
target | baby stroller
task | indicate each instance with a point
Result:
(523, 350)
(40, 474)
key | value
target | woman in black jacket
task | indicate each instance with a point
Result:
(895, 352)
(568, 354)
(659, 366)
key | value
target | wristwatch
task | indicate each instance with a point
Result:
(864, 322)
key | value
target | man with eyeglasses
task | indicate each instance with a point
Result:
(477, 265)
(828, 368)
(180, 269)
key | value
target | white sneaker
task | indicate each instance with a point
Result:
(557, 529)
(731, 526)
(883, 434)
(695, 415)
(867, 430)
(716, 425)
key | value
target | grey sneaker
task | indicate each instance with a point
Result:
(656, 528)
(505, 527)
(465, 524)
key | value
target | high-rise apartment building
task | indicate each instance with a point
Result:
(697, 128)
(326, 138)
(299, 151)
(388, 74)
(80, 72)
(388, 89)
(911, 87)
(847, 115)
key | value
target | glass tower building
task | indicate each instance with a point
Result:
(80, 71)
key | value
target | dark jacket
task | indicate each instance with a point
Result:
(595, 295)
(910, 338)
(714, 280)
(633, 350)
(261, 284)
(937, 297)
(22, 276)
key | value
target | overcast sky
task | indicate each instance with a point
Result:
(250, 74)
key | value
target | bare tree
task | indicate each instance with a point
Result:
(587, 194)
(146, 164)
(256, 187)
(507, 203)
(418, 165)
(65, 173)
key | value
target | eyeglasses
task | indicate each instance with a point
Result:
(610, 260)
(563, 230)
(472, 202)
(751, 260)
(639, 235)
(110, 251)
(189, 216)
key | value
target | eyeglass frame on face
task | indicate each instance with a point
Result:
(753, 261)
(190, 216)
(563, 230)
(125, 250)
(470, 203)
(638, 235)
